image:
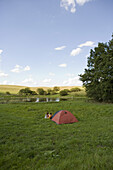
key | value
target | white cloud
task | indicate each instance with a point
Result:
(82, 2)
(18, 69)
(87, 44)
(27, 68)
(4, 82)
(68, 4)
(73, 82)
(1, 51)
(51, 74)
(0, 58)
(0, 54)
(29, 81)
(70, 75)
(12, 83)
(62, 65)
(46, 81)
(87, 56)
(60, 48)
(3, 74)
(75, 52)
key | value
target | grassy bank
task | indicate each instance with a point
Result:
(28, 141)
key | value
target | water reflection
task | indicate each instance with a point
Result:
(22, 100)
(47, 99)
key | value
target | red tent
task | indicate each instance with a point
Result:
(63, 117)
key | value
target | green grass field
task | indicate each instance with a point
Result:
(28, 141)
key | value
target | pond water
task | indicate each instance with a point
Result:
(47, 99)
(37, 100)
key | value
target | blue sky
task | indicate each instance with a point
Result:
(47, 42)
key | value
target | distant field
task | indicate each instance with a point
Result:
(10, 88)
(13, 89)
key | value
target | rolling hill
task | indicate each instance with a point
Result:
(14, 89)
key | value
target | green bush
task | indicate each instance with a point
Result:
(56, 88)
(49, 91)
(53, 92)
(27, 92)
(8, 93)
(67, 90)
(63, 92)
(34, 93)
(75, 89)
(41, 91)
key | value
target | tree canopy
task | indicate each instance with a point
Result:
(98, 77)
(41, 91)
(75, 89)
(27, 91)
(64, 92)
(56, 88)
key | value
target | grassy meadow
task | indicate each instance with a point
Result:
(10, 88)
(28, 141)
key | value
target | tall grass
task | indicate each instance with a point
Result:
(28, 141)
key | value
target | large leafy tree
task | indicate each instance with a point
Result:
(27, 91)
(98, 77)
(41, 91)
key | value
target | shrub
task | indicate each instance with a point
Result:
(27, 91)
(53, 92)
(67, 90)
(41, 91)
(34, 93)
(63, 92)
(75, 89)
(56, 88)
(49, 91)
(8, 93)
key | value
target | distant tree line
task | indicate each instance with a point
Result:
(40, 91)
